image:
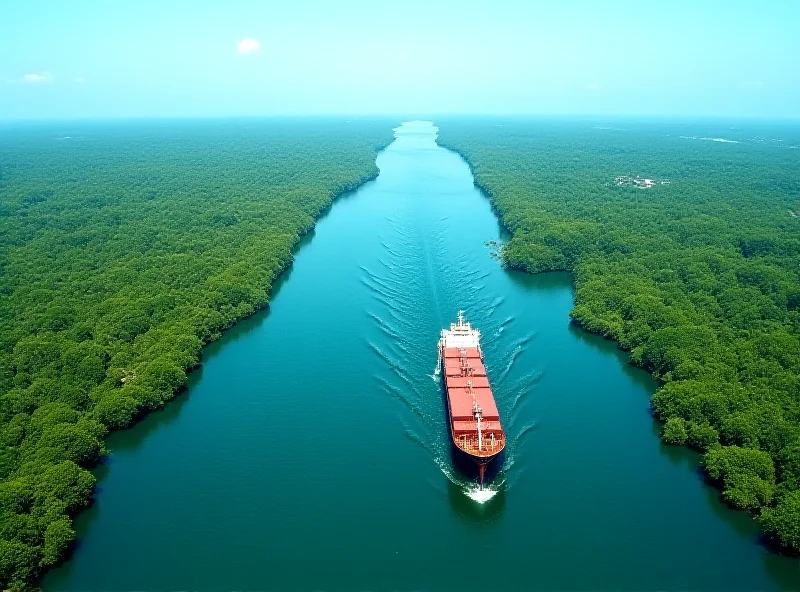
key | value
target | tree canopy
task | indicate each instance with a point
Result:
(124, 247)
(697, 274)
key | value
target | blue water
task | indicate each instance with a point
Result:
(310, 451)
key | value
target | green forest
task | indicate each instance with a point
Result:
(696, 272)
(124, 247)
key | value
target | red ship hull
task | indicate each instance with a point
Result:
(473, 417)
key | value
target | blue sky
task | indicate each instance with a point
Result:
(91, 58)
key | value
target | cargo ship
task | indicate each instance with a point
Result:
(472, 413)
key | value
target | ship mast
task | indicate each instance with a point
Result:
(477, 413)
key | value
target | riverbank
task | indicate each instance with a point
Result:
(674, 277)
(127, 253)
(364, 448)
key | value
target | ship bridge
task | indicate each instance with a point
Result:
(460, 334)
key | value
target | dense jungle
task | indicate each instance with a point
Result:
(124, 247)
(685, 249)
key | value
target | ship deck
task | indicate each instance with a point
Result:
(469, 444)
(469, 395)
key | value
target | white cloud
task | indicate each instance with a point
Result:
(36, 78)
(248, 45)
(79, 80)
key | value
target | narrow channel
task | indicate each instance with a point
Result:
(310, 451)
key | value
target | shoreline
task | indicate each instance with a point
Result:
(215, 335)
(770, 542)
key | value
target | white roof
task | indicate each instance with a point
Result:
(460, 340)
(460, 334)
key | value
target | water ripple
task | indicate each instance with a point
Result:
(422, 281)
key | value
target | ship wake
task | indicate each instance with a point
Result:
(418, 284)
(481, 494)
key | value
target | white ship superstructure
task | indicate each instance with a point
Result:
(460, 335)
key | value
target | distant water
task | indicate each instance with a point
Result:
(311, 450)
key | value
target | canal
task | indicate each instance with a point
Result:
(311, 451)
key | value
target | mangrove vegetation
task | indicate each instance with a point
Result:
(684, 242)
(124, 247)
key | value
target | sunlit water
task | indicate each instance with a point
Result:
(311, 451)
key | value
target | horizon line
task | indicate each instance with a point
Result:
(428, 116)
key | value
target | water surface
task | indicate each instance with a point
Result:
(311, 452)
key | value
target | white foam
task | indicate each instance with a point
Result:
(710, 139)
(471, 489)
(481, 495)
